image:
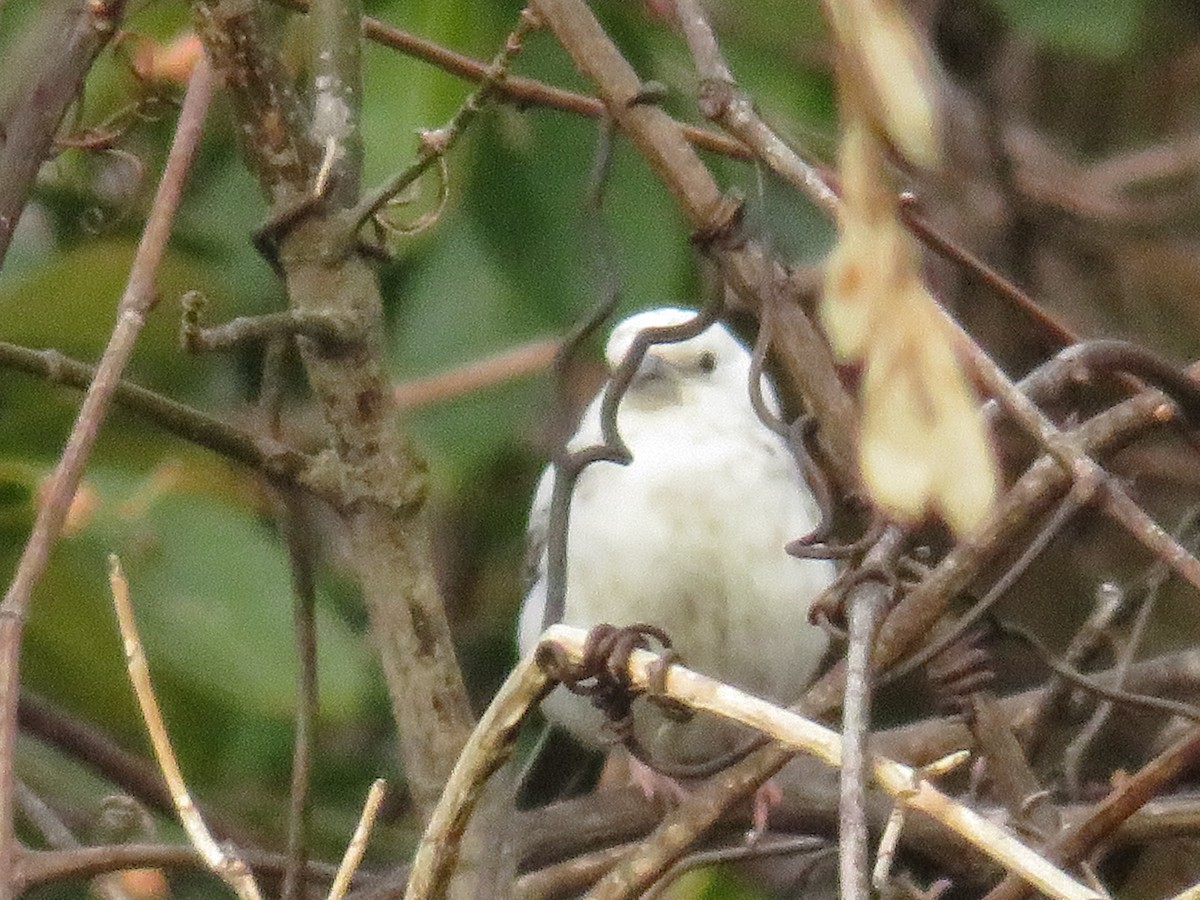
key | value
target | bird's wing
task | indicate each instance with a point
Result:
(537, 534)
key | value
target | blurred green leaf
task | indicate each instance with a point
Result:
(1099, 28)
(212, 595)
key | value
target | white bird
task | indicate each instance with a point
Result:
(689, 536)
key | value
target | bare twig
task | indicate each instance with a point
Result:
(864, 607)
(514, 89)
(723, 103)
(504, 366)
(1075, 752)
(435, 144)
(44, 819)
(47, 866)
(60, 837)
(1088, 683)
(227, 865)
(358, 842)
(816, 848)
(1130, 796)
(320, 327)
(565, 645)
(490, 744)
(302, 562)
(97, 751)
(131, 315)
(273, 459)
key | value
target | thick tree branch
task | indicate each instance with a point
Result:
(387, 531)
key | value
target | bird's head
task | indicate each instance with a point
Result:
(712, 363)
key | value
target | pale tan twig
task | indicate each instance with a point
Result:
(489, 746)
(901, 781)
(226, 865)
(890, 839)
(358, 843)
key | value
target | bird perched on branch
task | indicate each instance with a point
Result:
(689, 536)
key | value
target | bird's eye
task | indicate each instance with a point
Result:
(708, 361)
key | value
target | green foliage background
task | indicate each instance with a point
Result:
(509, 261)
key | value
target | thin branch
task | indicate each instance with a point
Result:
(1076, 751)
(59, 836)
(908, 623)
(1115, 694)
(1084, 471)
(227, 865)
(507, 365)
(514, 89)
(551, 835)
(131, 315)
(324, 328)
(98, 752)
(302, 558)
(358, 841)
(864, 608)
(43, 818)
(37, 867)
(273, 459)
(564, 646)
(1131, 795)
(490, 744)
(816, 848)
(436, 144)
(723, 103)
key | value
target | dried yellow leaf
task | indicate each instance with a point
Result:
(888, 70)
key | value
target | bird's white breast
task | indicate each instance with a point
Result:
(690, 537)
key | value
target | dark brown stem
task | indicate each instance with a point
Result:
(36, 867)
(132, 774)
(131, 315)
(1124, 801)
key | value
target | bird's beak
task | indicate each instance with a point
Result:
(651, 370)
(655, 382)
